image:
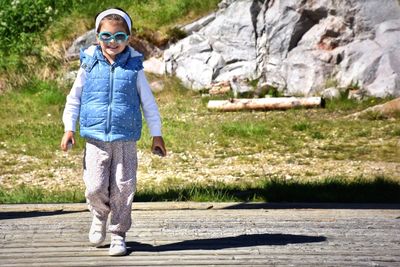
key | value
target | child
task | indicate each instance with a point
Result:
(108, 94)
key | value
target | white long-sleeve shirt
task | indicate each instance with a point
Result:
(148, 103)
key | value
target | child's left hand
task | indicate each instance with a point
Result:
(158, 146)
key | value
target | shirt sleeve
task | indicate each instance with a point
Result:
(149, 105)
(73, 104)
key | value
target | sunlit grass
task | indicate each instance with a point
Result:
(31, 126)
(273, 189)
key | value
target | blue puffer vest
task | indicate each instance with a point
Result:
(110, 103)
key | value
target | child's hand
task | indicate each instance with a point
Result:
(68, 137)
(158, 146)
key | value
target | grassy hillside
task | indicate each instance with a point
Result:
(295, 155)
(37, 32)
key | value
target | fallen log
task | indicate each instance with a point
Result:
(272, 103)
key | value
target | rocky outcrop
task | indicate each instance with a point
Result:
(224, 48)
(300, 47)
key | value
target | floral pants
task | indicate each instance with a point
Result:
(110, 178)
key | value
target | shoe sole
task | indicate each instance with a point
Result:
(117, 254)
(96, 245)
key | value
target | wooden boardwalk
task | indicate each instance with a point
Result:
(207, 234)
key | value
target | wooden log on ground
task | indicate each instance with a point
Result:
(273, 103)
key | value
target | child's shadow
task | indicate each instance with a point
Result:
(226, 242)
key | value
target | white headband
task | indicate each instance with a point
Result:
(116, 12)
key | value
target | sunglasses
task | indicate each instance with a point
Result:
(118, 37)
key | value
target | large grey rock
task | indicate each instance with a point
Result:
(312, 61)
(198, 24)
(299, 47)
(82, 41)
(218, 51)
(296, 46)
(188, 61)
(374, 63)
(331, 93)
(154, 65)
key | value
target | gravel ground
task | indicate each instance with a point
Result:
(65, 171)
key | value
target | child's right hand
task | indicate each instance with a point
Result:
(158, 146)
(67, 137)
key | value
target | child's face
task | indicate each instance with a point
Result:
(113, 48)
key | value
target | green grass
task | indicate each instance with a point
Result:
(336, 189)
(31, 118)
(344, 104)
(31, 125)
(246, 129)
(31, 128)
(33, 194)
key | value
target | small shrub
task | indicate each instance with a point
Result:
(374, 115)
(396, 132)
(301, 126)
(363, 133)
(175, 34)
(20, 21)
(317, 135)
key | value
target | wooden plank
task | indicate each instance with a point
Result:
(206, 237)
(266, 261)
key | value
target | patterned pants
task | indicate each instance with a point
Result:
(110, 179)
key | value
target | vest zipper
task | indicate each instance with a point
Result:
(110, 98)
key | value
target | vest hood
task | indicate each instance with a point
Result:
(90, 51)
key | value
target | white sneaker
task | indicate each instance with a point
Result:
(117, 246)
(97, 232)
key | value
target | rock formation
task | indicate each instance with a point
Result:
(300, 47)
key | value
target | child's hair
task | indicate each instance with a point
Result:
(115, 17)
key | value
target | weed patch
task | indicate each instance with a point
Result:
(244, 130)
(301, 126)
